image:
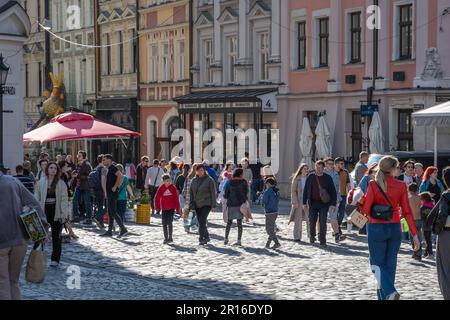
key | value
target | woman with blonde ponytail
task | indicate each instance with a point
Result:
(385, 236)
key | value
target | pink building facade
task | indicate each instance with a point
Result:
(327, 55)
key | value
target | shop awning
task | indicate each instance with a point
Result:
(437, 116)
(215, 96)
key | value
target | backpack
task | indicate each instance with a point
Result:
(94, 179)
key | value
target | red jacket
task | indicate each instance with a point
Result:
(166, 198)
(397, 194)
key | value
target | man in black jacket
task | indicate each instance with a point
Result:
(141, 172)
(318, 188)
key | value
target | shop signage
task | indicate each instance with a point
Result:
(269, 102)
(219, 105)
(367, 110)
(9, 90)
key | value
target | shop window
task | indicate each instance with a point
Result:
(405, 130)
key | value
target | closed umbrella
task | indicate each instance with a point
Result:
(376, 135)
(306, 142)
(323, 139)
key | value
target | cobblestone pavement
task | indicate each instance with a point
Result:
(141, 267)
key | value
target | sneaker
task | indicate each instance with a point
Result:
(393, 296)
(99, 224)
(312, 241)
(297, 240)
(237, 243)
(276, 245)
(340, 238)
(225, 242)
(107, 234)
(323, 245)
(202, 243)
(165, 241)
(170, 240)
(123, 233)
(54, 264)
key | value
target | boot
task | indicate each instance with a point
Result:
(269, 241)
(276, 245)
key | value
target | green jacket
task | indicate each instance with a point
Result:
(202, 192)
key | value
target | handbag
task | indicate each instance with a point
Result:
(36, 268)
(381, 211)
(358, 219)
(246, 211)
(324, 195)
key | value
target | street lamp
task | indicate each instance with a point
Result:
(4, 69)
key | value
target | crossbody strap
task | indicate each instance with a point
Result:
(384, 194)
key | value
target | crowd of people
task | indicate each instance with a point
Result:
(68, 192)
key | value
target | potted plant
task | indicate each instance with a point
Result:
(143, 209)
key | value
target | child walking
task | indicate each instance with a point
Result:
(271, 199)
(425, 209)
(166, 199)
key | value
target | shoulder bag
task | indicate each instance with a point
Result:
(381, 211)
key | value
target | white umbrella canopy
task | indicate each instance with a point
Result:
(306, 142)
(323, 139)
(376, 135)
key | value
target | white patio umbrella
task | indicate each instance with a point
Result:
(323, 139)
(376, 135)
(306, 142)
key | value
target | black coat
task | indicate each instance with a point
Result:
(328, 185)
(236, 193)
(140, 176)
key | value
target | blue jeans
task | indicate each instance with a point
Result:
(318, 211)
(100, 204)
(341, 209)
(86, 198)
(121, 208)
(384, 244)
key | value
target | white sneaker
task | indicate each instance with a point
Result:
(393, 296)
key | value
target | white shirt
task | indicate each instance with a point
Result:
(407, 179)
(153, 176)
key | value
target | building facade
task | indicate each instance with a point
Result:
(15, 29)
(328, 57)
(236, 65)
(34, 63)
(76, 62)
(164, 48)
(117, 74)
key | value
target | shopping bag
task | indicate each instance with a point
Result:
(358, 219)
(36, 268)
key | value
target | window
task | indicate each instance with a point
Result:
(232, 55)
(90, 38)
(120, 52)
(356, 135)
(263, 56)
(40, 78)
(208, 61)
(405, 31)
(108, 54)
(181, 60)
(165, 62)
(133, 51)
(26, 80)
(56, 44)
(79, 39)
(405, 130)
(323, 42)
(355, 37)
(153, 72)
(67, 44)
(301, 29)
